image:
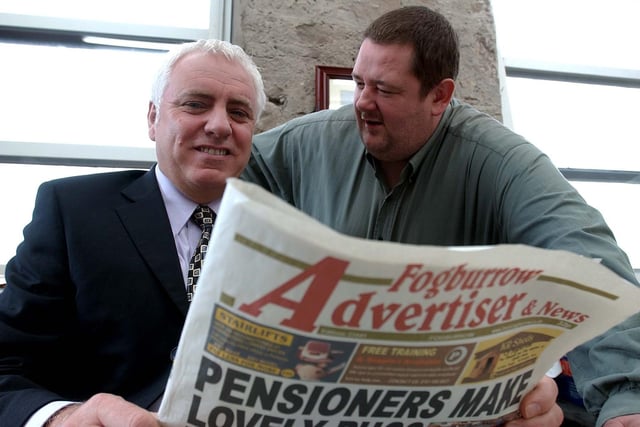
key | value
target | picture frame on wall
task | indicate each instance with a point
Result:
(334, 87)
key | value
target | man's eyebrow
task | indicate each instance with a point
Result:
(193, 94)
(379, 82)
(240, 100)
(236, 100)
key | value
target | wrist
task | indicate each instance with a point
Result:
(60, 415)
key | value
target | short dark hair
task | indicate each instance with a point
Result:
(434, 42)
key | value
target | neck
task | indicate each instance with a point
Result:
(391, 171)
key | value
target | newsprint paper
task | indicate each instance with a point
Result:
(296, 325)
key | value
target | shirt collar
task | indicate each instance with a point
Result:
(179, 207)
(434, 140)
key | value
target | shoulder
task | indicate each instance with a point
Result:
(99, 187)
(96, 181)
(480, 131)
(344, 115)
(325, 124)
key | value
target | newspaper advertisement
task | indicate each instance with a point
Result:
(296, 325)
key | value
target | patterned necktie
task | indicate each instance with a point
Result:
(204, 217)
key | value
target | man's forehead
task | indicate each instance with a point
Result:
(208, 70)
(394, 57)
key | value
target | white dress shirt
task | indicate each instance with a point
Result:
(186, 233)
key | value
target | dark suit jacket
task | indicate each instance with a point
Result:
(95, 300)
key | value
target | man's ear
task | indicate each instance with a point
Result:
(442, 94)
(151, 120)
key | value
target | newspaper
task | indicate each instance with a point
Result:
(294, 324)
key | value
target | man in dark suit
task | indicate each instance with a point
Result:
(96, 299)
(96, 294)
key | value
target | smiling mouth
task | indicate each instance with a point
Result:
(214, 151)
(368, 123)
(369, 120)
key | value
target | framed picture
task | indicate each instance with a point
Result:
(334, 87)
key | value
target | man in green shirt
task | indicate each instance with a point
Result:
(408, 163)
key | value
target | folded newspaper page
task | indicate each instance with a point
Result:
(294, 324)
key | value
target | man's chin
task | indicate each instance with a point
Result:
(372, 143)
(212, 177)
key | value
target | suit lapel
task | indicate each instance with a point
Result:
(148, 225)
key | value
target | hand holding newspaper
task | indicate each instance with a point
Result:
(294, 324)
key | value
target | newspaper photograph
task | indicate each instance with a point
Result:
(294, 324)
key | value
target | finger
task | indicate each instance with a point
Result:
(126, 413)
(106, 410)
(541, 399)
(551, 418)
(624, 421)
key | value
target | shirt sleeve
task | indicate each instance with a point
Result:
(267, 158)
(43, 414)
(541, 208)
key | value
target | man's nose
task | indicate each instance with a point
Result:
(218, 124)
(365, 98)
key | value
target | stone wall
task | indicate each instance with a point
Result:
(288, 38)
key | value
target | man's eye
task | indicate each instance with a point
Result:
(194, 104)
(240, 114)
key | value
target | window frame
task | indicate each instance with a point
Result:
(576, 74)
(34, 29)
(585, 75)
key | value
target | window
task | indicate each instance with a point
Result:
(572, 88)
(75, 82)
(79, 73)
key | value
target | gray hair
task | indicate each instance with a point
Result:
(232, 52)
